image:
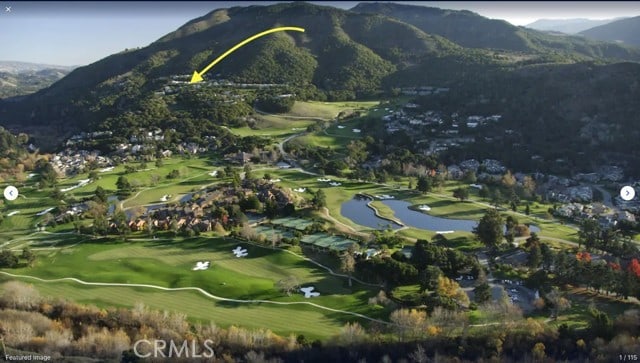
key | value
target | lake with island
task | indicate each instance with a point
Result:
(359, 212)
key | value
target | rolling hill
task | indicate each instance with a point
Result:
(21, 78)
(471, 30)
(340, 51)
(15, 67)
(567, 26)
(625, 31)
(343, 53)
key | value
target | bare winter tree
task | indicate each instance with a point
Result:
(419, 355)
(559, 302)
(352, 333)
(288, 285)
(408, 322)
(18, 295)
(348, 264)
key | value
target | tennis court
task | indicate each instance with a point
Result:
(325, 241)
(295, 223)
(269, 232)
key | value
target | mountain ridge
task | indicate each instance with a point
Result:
(568, 26)
(11, 66)
(343, 53)
(624, 30)
(471, 30)
(18, 79)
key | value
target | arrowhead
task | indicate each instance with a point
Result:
(196, 77)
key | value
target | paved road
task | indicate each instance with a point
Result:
(284, 154)
(607, 200)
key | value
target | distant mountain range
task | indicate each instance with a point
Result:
(626, 31)
(15, 67)
(21, 78)
(568, 26)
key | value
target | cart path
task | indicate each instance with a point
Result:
(205, 293)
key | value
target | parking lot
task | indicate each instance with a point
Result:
(515, 289)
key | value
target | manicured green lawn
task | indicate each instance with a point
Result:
(176, 188)
(277, 126)
(196, 177)
(30, 203)
(442, 205)
(169, 264)
(577, 316)
(319, 139)
(296, 319)
(406, 292)
(328, 110)
(303, 114)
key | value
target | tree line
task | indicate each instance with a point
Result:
(61, 328)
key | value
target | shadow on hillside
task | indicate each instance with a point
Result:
(195, 182)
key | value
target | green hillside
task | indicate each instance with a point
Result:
(471, 30)
(342, 55)
(624, 30)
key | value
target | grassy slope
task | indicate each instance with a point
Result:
(309, 321)
(168, 264)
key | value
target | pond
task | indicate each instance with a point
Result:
(112, 200)
(357, 210)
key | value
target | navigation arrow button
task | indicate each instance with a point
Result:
(627, 193)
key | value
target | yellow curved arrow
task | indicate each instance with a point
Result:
(197, 77)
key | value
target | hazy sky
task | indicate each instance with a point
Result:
(78, 33)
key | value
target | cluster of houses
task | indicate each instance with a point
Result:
(74, 210)
(443, 144)
(401, 120)
(71, 162)
(85, 136)
(423, 91)
(145, 139)
(579, 211)
(576, 194)
(148, 135)
(409, 118)
(182, 148)
(488, 169)
(195, 213)
(475, 121)
(174, 83)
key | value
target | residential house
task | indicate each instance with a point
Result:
(455, 172)
(137, 225)
(626, 216)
